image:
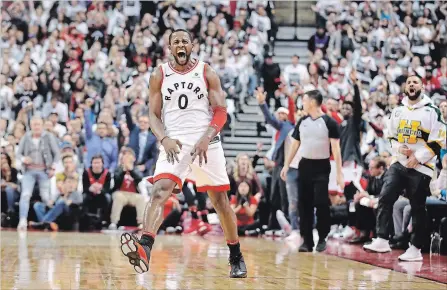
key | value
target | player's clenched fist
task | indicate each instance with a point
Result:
(172, 148)
(200, 150)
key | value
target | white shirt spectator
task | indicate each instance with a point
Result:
(261, 23)
(131, 7)
(6, 101)
(394, 72)
(295, 73)
(416, 36)
(72, 8)
(60, 108)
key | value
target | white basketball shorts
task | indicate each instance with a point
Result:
(351, 173)
(334, 189)
(211, 176)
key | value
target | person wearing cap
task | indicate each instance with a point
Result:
(66, 148)
(271, 73)
(278, 193)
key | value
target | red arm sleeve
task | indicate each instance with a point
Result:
(219, 118)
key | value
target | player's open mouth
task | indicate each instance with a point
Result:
(412, 91)
(181, 55)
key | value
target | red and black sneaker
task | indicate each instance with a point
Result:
(139, 255)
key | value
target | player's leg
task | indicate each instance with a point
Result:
(227, 218)
(138, 250)
(391, 189)
(418, 188)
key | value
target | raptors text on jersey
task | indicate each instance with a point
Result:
(186, 112)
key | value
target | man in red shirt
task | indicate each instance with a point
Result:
(126, 190)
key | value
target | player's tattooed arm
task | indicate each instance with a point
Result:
(216, 97)
(171, 146)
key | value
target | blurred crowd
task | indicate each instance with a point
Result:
(75, 136)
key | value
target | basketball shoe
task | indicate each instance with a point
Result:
(138, 254)
(238, 267)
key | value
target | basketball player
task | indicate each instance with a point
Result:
(187, 110)
(417, 134)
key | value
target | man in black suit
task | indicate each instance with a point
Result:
(142, 142)
(366, 201)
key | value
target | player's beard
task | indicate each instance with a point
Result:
(177, 60)
(415, 96)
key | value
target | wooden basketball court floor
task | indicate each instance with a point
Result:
(44, 260)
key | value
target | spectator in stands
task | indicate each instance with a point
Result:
(295, 73)
(98, 142)
(243, 171)
(171, 214)
(245, 206)
(38, 152)
(9, 182)
(366, 201)
(142, 142)
(320, 40)
(271, 73)
(126, 191)
(48, 213)
(278, 193)
(96, 182)
(55, 106)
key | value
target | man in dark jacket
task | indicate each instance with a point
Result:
(366, 201)
(350, 135)
(126, 191)
(96, 184)
(142, 142)
(271, 73)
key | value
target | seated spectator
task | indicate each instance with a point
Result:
(96, 184)
(366, 201)
(38, 152)
(98, 142)
(9, 183)
(47, 213)
(142, 142)
(125, 191)
(245, 206)
(171, 214)
(243, 170)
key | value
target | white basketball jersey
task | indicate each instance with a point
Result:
(186, 108)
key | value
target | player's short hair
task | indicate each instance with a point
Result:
(414, 76)
(180, 30)
(315, 95)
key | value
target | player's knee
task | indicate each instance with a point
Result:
(221, 201)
